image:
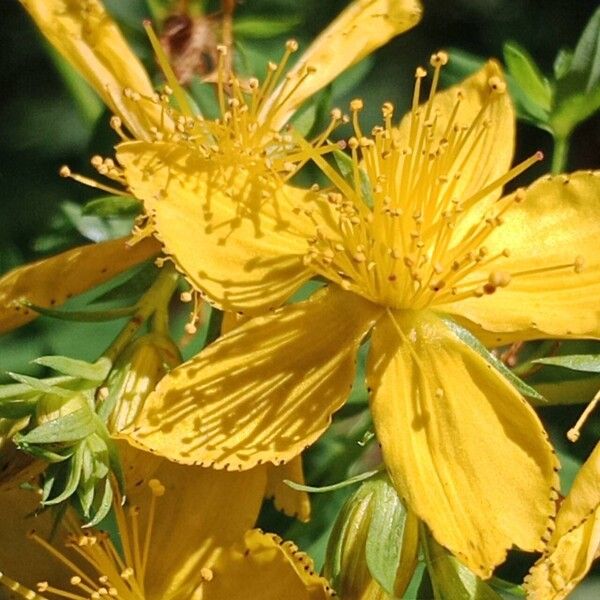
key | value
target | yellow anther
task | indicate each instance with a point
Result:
(496, 84)
(190, 328)
(75, 580)
(420, 72)
(156, 487)
(439, 59)
(291, 45)
(186, 296)
(356, 105)
(499, 278)
(206, 573)
(65, 171)
(115, 122)
(42, 586)
(387, 110)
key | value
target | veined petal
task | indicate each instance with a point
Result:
(360, 29)
(51, 281)
(85, 34)
(289, 501)
(575, 542)
(21, 558)
(554, 264)
(266, 567)
(238, 240)
(264, 391)
(201, 511)
(474, 127)
(464, 450)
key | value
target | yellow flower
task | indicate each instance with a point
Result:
(52, 281)
(184, 532)
(248, 133)
(420, 232)
(575, 541)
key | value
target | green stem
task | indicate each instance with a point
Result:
(560, 154)
(155, 299)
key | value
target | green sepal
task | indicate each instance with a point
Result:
(103, 507)
(17, 408)
(112, 206)
(470, 340)
(335, 486)
(96, 372)
(41, 385)
(386, 550)
(449, 577)
(71, 427)
(73, 477)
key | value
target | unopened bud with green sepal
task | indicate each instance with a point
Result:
(373, 549)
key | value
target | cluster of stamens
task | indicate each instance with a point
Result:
(406, 235)
(99, 569)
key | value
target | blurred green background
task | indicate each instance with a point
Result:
(42, 129)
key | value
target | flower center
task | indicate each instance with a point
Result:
(403, 229)
(98, 568)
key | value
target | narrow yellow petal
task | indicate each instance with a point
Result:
(234, 238)
(464, 450)
(289, 501)
(266, 567)
(85, 34)
(52, 281)
(264, 391)
(475, 127)
(201, 510)
(360, 29)
(554, 264)
(575, 543)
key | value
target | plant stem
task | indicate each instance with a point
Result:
(560, 154)
(155, 299)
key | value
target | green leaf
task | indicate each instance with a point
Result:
(264, 26)
(71, 427)
(95, 228)
(562, 63)
(335, 486)
(578, 89)
(386, 535)
(112, 206)
(84, 316)
(96, 372)
(527, 75)
(473, 343)
(589, 363)
(24, 390)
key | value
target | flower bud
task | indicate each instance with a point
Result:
(373, 549)
(135, 375)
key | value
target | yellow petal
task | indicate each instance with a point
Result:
(289, 501)
(264, 566)
(264, 391)
(85, 34)
(52, 281)
(21, 558)
(239, 247)
(360, 29)
(464, 450)
(575, 542)
(202, 510)
(555, 225)
(488, 152)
